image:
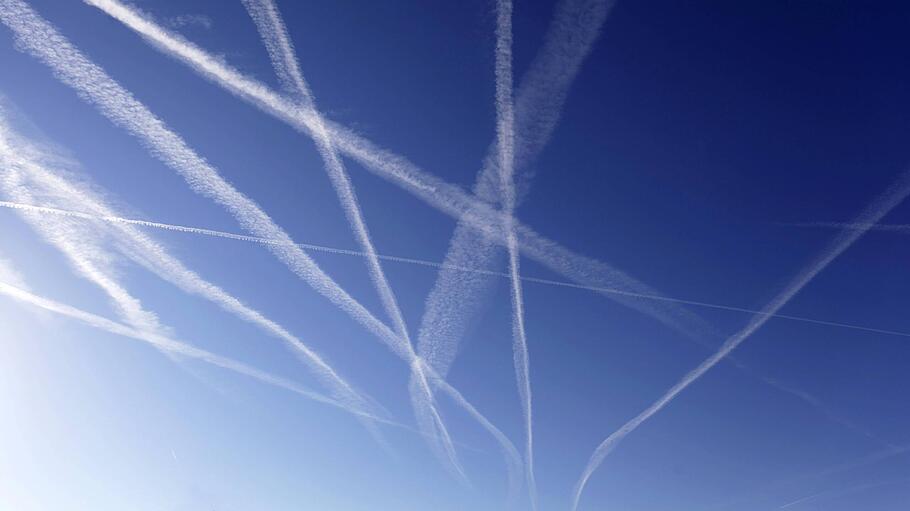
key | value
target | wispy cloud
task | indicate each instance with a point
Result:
(191, 20)
(874, 212)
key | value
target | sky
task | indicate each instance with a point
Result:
(632, 255)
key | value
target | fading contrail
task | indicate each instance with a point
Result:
(505, 142)
(904, 228)
(446, 197)
(438, 265)
(845, 491)
(870, 215)
(176, 347)
(22, 157)
(273, 32)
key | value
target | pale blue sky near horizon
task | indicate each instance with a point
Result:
(691, 141)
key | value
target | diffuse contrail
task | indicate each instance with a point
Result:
(446, 197)
(21, 157)
(505, 142)
(435, 264)
(176, 347)
(273, 32)
(874, 212)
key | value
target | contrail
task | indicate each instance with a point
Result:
(173, 346)
(904, 228)
(505, 141)
(273, 32)
(446, 197)
(870, 215)
(435, 264)
(457, 297)
(36, 36)
(21, 156)
(845, 491)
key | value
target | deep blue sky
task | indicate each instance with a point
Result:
(694, 133)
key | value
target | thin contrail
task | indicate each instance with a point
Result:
(176, 347)
(844, 491)
(273, 32)
(21, 156)
(437, 265)
(904, 228)
(446, 197)
(505, 142)
(870, 215)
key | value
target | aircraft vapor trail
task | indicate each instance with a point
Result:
(844, 491)
(39, 38)
(505, 142)
(176, 347)
(905, 228)
(434, 264)
(446, 197)
(272, 30)
(22, 157)
(874, 212)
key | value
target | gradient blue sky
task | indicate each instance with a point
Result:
(693, 138)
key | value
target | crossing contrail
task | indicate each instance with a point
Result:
(176, 347)
(874, 212)
(446, 197)
(274, 34)
(505, 143)
(22, 159)
(438, 265)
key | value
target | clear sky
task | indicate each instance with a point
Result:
(700, 153)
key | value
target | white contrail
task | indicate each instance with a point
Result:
(905, 228)
(273, 32)
(457, 297)
(437, 265)
(167, 344)
(20, 156)
(36, 36)
(448, 198)
(505, 142)
(870, 215)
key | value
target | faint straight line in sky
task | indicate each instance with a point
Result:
(434, 264)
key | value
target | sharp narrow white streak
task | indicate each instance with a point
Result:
(505, 142)
(167, 344)
(430, 264)
(273, 32)
(21, 157)
(446, 197)
(37, 37)
(874, 212)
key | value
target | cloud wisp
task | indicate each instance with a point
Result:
(872, 214)
(274, 34)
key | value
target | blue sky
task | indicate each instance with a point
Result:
(692, 147)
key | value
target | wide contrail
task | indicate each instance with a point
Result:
(446, 197)
(437, 265)
(22, 158)
(176, 347)
(870, 215)
(274, 34)
(505, 143)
